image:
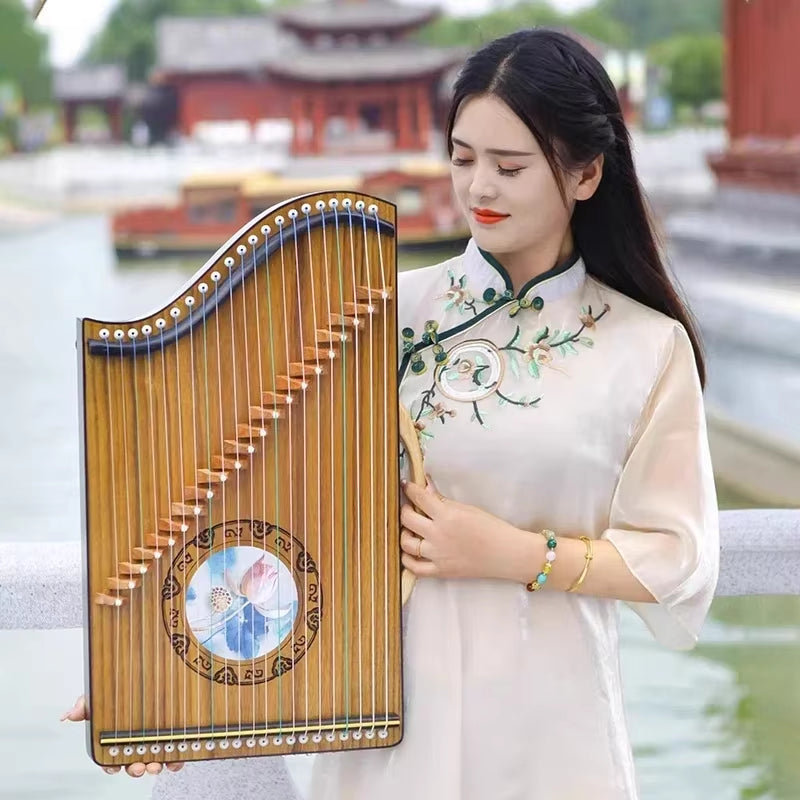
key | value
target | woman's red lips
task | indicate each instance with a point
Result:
(487, 216)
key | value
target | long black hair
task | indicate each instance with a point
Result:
(565, 97)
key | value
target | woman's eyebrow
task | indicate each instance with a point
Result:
(493, 151)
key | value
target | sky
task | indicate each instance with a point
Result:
(71, 24)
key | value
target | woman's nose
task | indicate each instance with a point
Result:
(482, 185)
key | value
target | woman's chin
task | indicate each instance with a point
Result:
(488, 237)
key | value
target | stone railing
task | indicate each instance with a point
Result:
(40, 587)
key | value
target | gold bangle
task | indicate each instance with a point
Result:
(587, 559)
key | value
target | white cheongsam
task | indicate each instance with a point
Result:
(566, 406)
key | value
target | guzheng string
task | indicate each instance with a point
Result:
(266, 230)
(156, 552)
(357, 432)
(169, 491)
(385, 518)
(345, 526)
(290, 426)
(250, 447)
(305, 208)
(146, 330)
(197, 525)
(326, 272)
(119, 336)
(371, 384)
(161, 323)
(276, 446)
(233, 356)
(251, 488)
(114, 528)
(206, 401)
(242, 250)
(136, 453)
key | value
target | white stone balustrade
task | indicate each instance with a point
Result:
(41, 587)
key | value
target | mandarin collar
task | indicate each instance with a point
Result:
(486, 272)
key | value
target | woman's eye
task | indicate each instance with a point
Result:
(508, 173)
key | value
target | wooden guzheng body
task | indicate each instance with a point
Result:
(240, 489)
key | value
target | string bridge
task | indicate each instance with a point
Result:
(377, 722)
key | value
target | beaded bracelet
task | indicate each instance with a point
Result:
(541, 578)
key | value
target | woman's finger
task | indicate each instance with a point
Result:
(419, 567)
(78, 712)
(174, 766)
(409, 543)
(416, 522)
(154, 768)
(112, 770)
(425, 498)
(136, 770)
(432, 487)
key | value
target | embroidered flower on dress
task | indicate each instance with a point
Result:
(452, 369)
(439, 412)
(429, 412)
(538, 352)
(458, 296)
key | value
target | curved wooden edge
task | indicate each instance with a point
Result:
(408, 435)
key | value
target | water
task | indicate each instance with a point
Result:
(714, 723)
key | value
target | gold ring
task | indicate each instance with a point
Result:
(419, 548)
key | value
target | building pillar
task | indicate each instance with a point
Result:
(763, 60)
(423, 117)
(318, 121)
(404, 133)
(70, 118)
(351, 113)
(296, 109)
(114, 113)
(390, 118)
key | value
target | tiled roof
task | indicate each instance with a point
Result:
(344, 15)
(101, 82)
(366, 63)
(218, 44)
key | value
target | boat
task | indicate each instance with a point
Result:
(210, 207)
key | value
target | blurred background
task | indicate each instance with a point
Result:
(136, 136)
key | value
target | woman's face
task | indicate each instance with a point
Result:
(498, 169)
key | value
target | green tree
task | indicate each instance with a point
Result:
(649, 21)
(475, 31)
(598, 25)
(129, 35)
(23, 54)
(694, 67)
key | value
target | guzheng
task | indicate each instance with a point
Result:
(241, 500)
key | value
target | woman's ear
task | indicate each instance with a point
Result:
(590, 178)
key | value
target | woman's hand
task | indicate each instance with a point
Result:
(453, 540)
(80, 712)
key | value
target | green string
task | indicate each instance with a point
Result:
(276, 439)
(344, 485)
(141, 518)
(208, 445)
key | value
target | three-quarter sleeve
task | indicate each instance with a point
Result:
(664, 519)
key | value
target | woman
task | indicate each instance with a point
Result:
(555, 380)
(556, 383)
